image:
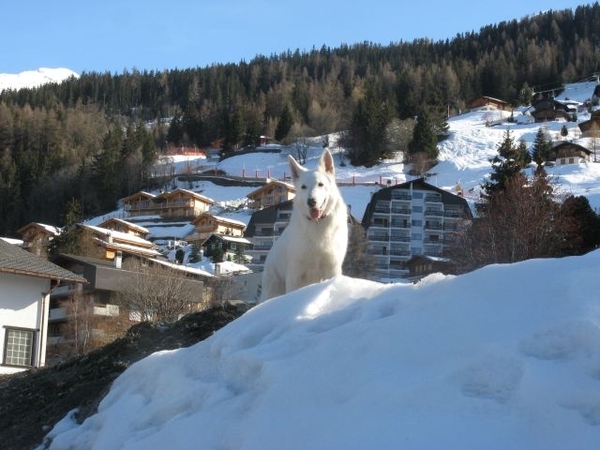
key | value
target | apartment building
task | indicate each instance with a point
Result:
(412, 218)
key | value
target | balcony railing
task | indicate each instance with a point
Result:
(379, 237)
(397, 210)
(382, 209)
(400, 224)
(434, 212)
(399, 195)
(263, 246)
(397, 238)
(433, 199)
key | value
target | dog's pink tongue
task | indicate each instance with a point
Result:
(315, 214)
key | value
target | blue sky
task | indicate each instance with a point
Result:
(116, 35)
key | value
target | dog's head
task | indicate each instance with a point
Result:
(315, 189)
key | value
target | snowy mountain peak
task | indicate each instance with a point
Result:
(34, 78)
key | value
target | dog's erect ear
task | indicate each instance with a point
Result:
(326, 162)
(295, 167)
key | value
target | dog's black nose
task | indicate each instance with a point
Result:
(311, 202)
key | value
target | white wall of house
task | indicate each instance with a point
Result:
(24, 306)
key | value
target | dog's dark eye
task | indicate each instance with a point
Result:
(321, 184)
(303, 186)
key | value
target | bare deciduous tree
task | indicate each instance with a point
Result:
(358, 262)
(520, 222)
(220, 290)
(160, 293)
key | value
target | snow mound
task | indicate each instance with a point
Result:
(504, 357)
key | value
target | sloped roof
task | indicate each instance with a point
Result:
(271, 182)
(124, 238)
(15, 260)
(50, 229)
(219, 219)
(142, 194)
(418, 183)
(125, 223)
(266, 215)
(234, 239)
(571, 145)
(187, 193)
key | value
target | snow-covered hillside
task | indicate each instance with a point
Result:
(34, 78)
(464, 159)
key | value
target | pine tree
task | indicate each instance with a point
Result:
(424, 138)
(541, 147)
(506, 166)
(358, 263)
(240, 255)
(69, 240)
(106, 169)
(584, 224)
(194, 256)
(368, 129)
(286, 120)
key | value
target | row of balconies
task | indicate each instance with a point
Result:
(379, 237)
(145, 205)
(435, 212)
(262, 246)
(407, 196)
(385, 252)
(384, 225)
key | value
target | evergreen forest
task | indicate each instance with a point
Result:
(92, 140)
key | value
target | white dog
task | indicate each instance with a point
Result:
(313, 245)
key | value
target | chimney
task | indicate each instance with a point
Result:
(118, 260)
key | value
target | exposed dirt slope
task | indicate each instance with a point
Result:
(34, 401)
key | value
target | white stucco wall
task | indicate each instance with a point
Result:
(21, 306)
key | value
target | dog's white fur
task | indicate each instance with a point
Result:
(313, 245)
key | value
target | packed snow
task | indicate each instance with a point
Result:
(506, 357)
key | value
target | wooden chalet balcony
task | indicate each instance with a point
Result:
(140, 206)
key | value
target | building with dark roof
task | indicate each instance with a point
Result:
(412, 218)
(264, 227)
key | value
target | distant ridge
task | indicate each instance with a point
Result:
(34, 78)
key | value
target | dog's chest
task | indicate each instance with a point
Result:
(320, 240)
